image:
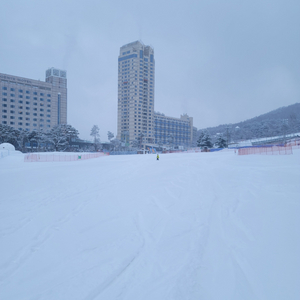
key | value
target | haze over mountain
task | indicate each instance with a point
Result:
(284, 120)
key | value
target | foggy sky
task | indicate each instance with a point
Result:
(218, 61)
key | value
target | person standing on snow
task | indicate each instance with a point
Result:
(157, 157)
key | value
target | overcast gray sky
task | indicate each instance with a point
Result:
(218, 61)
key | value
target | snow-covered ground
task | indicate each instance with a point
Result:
(212, 226)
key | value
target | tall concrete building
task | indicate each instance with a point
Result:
(136, 116)
(136, 80)
(33, 104)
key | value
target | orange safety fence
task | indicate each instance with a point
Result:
(295, 144)
(33, 157)
(275, 150)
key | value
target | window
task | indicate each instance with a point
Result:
(20, 91)
(4, 88)
(20, 123)
(27, 97)
(12, 89)
(4, 122)
(12, 123)
(35, 114)
(5, 94)
(20, 101)
(48, 100)
(4, 99)
(12, 117)
(27, 102)
(4, 105)
(41, 94)
(12, 106)
(4, 110)
(27, 92)
(27, 113)
(4, 117)
(35, 93)
(12, 100)
(12, 95)
(48, 95)
(35, 98)
(41, 99)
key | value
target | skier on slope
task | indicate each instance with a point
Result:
(157, 157)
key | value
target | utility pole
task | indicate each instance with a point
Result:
(227, 135)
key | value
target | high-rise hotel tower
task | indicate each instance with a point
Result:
(136, 69)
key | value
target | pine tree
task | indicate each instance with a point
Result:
(110, 135)
(221, 142)
(8, 134)
(204, 140)
(60, 136)
(200, 139)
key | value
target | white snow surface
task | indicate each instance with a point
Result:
(189, 226)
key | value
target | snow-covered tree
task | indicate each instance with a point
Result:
(204, 140)
(60, 136)
(96, 135)
(221, 142)
(294, 123)
(21, 139)
(201, 135)
(110, 135)
(116, 143)
(8, 134)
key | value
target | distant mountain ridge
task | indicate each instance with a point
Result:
(283, 120)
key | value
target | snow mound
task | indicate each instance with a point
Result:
(7, 146)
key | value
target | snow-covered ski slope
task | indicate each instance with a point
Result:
(212, 226)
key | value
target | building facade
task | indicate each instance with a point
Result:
(173, 132)
(28, 104)
(136, 117)
(136, 80)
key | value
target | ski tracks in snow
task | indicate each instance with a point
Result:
(19, 258)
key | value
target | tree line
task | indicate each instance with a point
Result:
(57, 139)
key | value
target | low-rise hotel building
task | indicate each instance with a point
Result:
(28, 104)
